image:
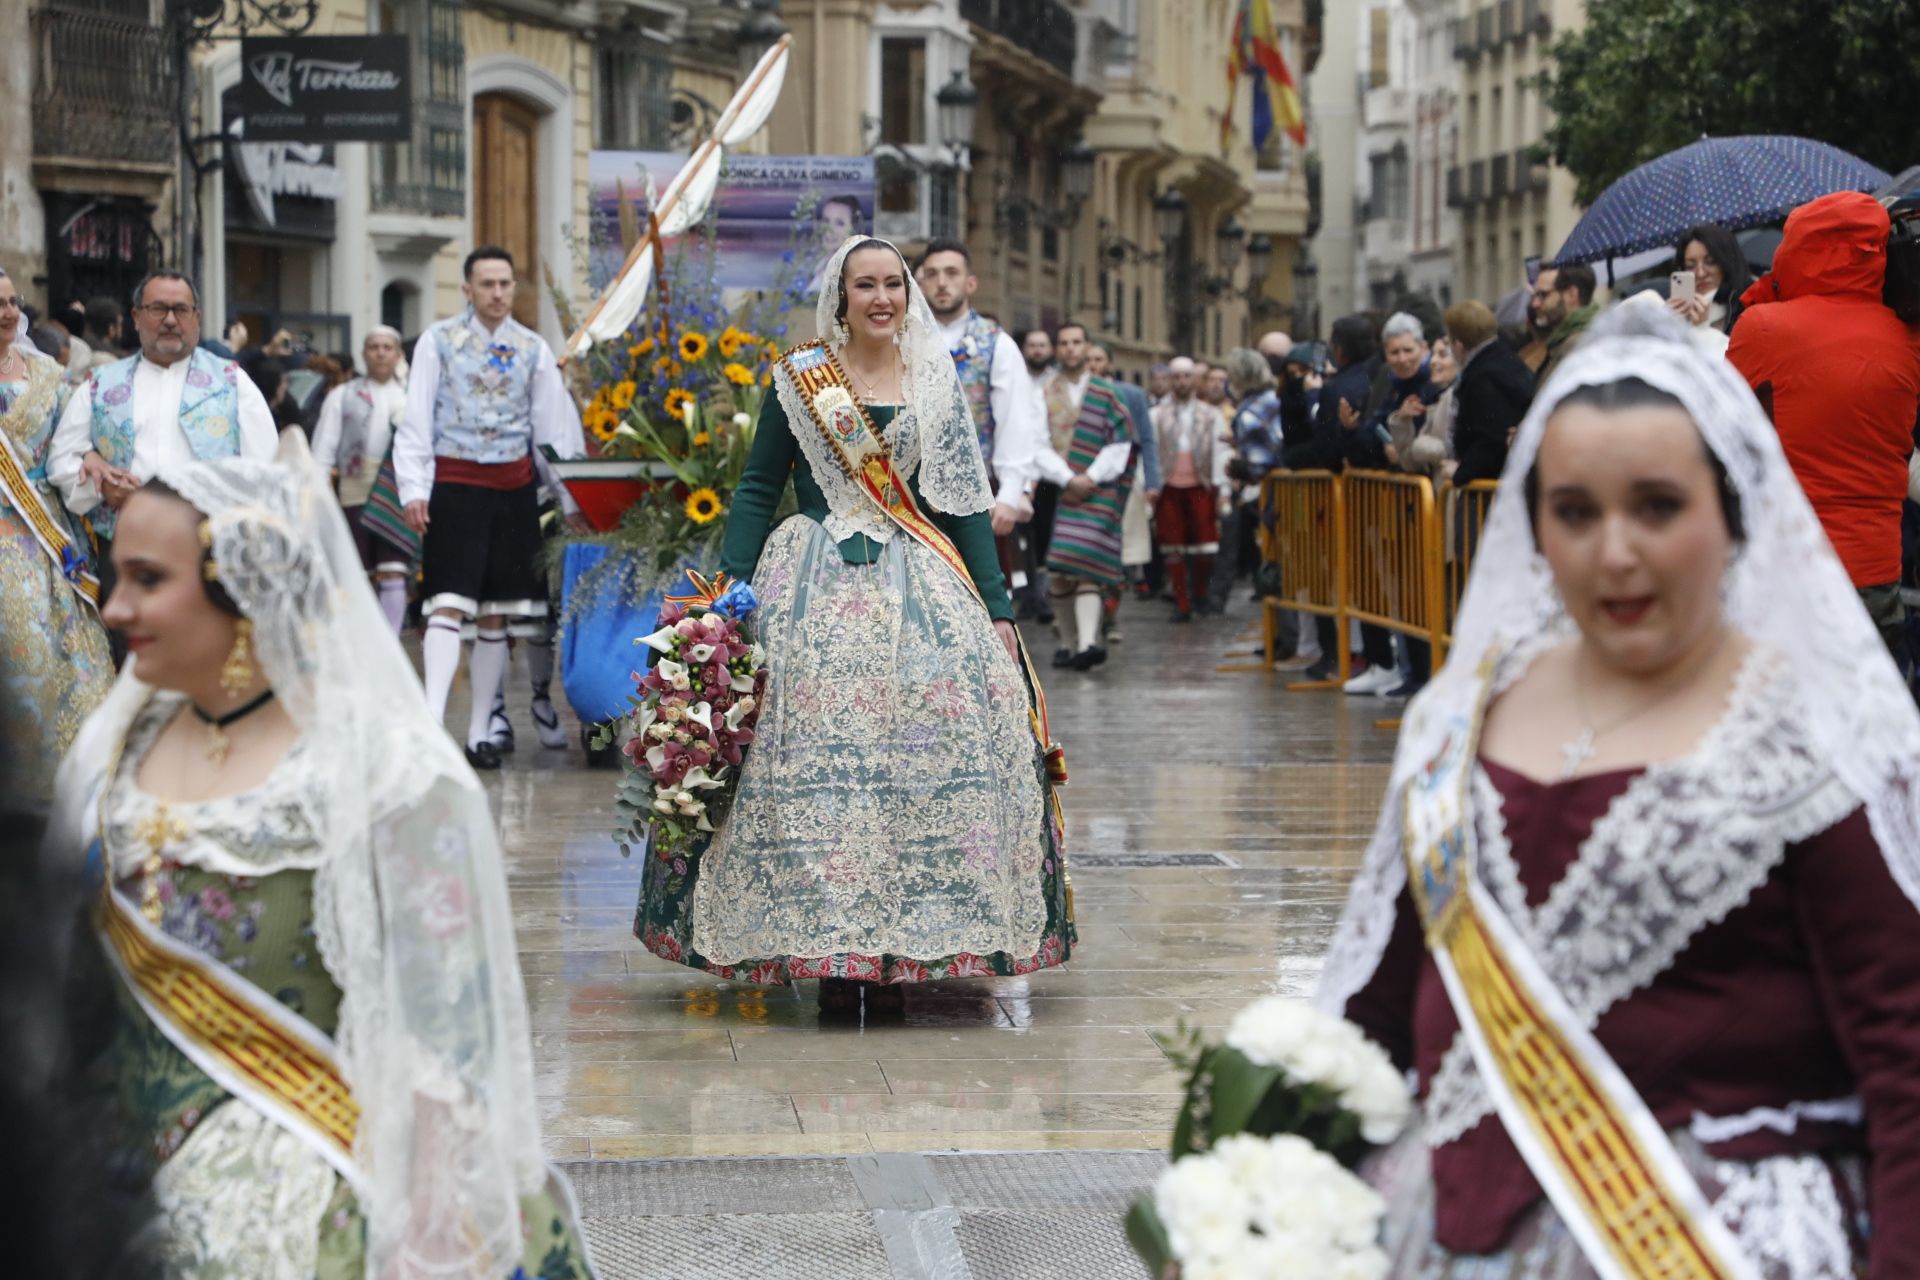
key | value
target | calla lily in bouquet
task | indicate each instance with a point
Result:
(693, 718)
(1285, 1074)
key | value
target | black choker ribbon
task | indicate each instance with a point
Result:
(238, 713)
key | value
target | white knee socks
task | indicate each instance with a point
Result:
(440, 654)
(487, 668)
(393, 601)
(1086, 616)
(540, 664)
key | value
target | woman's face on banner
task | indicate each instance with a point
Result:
(836, 220)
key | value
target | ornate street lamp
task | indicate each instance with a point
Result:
(1076, 173)
(958, 102)
(1229, 240)
(1169, 215)
(1259, 260)
(760, 32)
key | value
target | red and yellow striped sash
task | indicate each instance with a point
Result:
(232, 1029)
(1590, 1140)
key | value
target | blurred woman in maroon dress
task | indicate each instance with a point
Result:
(1692, 806)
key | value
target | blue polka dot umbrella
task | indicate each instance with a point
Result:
(1736, 182)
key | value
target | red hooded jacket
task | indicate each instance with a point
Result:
(1843, 373)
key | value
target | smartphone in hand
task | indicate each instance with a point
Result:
(1682, 284)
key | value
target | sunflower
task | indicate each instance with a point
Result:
(677, 401)
(640, 348)
(738, 374)
(622, 394)
(603, 422)
(702, 440)
(733, 340)
(772, 353)
(693, 346)
(667, 367)
(703, 506)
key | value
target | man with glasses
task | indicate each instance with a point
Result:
(170, 402)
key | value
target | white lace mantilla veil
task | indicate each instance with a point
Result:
(410, 905)
(933, 434)
(1786, 591)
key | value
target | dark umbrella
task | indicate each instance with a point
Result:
(1736, 182)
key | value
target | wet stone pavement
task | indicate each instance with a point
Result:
(719, 1129)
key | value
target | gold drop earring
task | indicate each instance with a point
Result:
(237, 672)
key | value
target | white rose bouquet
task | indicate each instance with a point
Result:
(1271, 1208)
(1317, 1087)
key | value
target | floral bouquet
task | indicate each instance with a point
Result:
(692, 719)
(1264, 1207)
(1311, 1082)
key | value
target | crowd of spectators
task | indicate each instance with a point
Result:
(1442, 395)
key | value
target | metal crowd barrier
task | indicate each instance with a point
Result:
(1302, 532)
(1370, 546)
(1466, 515)
(1395, 571)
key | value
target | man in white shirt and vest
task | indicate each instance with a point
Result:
(170, 402)
(484, 395)
(356, 426)
(1007, 411)
(1193, 467)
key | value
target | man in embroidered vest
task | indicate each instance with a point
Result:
(356, 426)
(171, 402)
(1090, 462)
(1186, 512)
(1005, 403)
(484, 394)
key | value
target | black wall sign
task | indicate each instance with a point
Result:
(326, 89)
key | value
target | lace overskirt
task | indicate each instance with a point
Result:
(891, 822)
(1796, 1217)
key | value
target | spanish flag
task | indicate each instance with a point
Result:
(1256, 53)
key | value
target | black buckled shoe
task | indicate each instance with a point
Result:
(484, 756)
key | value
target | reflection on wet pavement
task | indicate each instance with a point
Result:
(635, 1057)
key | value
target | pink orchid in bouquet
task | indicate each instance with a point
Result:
(693, 719)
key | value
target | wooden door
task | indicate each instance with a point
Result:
(506, 195)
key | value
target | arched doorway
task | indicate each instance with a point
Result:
(506, 191)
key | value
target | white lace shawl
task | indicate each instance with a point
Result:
(932, 434)
(1685, 844)
(410, 899)
(1786, 591)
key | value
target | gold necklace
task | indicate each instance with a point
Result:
(1583, 745)
(872, 388)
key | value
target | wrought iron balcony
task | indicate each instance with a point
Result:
(1043, 27)
(103, 85)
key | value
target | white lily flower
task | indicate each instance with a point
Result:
(661, 640)
(738, 683)
(698, 777)
(656, 758)
(741, 421)
(737, 712)
(701, 714)
(701, 654)
(624, 430)
(674, 673)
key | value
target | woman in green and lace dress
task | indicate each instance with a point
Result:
(55, 665)
(893, 823)
(323, 1054)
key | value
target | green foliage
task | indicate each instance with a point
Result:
(1148, 1236)
(1645, 77)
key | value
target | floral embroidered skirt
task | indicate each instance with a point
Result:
(54, 669)
(1795, 1217)
(892, 822)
